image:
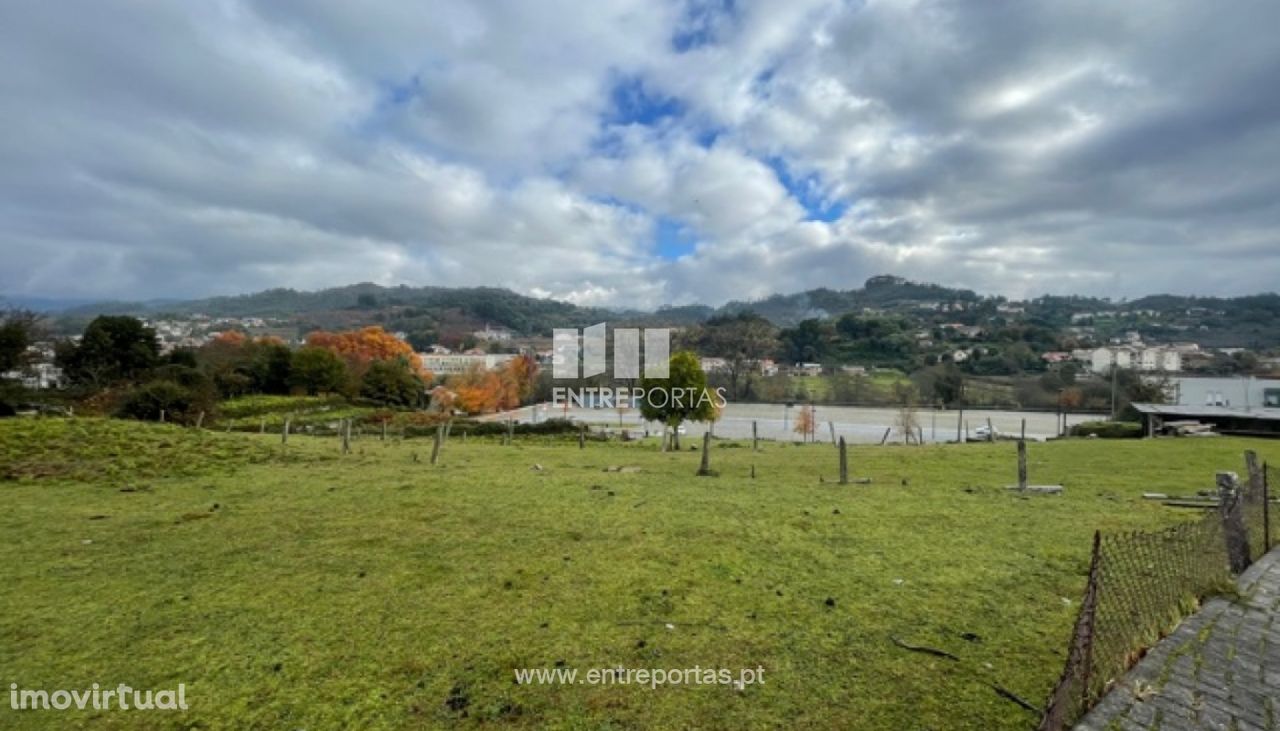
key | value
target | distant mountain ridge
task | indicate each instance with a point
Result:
(1213, 320)
(521, 312)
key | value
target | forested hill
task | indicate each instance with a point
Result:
(1248, 321)
(884, 292)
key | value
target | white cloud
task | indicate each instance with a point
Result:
(182, 150)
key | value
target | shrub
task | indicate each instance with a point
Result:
(179, 403)
(391, 382)
(1108, 430)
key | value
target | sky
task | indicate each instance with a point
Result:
(632, 153)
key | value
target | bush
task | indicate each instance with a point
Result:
(179, 403)
(493, 428)
(1108, 430)
(391, 382)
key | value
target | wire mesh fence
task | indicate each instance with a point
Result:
(1141, 584)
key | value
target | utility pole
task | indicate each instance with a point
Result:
(1114, 372)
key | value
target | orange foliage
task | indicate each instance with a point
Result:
(360, 347)
(806, 422)
(229, 338)
(480, 391)
(1070, 398)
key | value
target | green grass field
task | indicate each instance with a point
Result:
(294, 587)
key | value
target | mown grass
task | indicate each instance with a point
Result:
(374, 591)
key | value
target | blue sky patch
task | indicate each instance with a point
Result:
(809, 192)
(673, 239)
(698, 27)
(632, 103)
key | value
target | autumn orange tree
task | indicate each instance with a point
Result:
(806, 422)
(481, 391)
(363, 346)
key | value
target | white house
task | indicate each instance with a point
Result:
(492, 335)
(1150, 359)
(1103, 359)
(445, 365)
(712, 365)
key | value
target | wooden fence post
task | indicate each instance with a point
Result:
(435, 447)
(704, 470)
(1258, 491)
(344, 430)
(161, 416)
(284, 433)
(1233, 530)
(755, 438)
(832, 426)
(844, 463)
(1266, 507)
(991, 431)
(510, 431)
(582, 437)
(960, 426)
(262, 426)
(885, 438)
(200, 420)
(1024, 430)
(1022, 464)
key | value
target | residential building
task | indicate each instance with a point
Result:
(712, 365)
(492, 334)
(38, 376)
(1149, 359)
(455, 363)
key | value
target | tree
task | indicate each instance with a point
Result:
(943, 384)
(681, 396)
(271, 367)
(17, 331)
(806, 422)
(742, 340)
(392, 382)
(361, 347)
(113, 348)
(808, 342)
(478, 391)
(905, 396)
(317, 370)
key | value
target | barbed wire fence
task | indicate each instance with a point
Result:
(1141, 584)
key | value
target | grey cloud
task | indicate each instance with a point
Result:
(182, 150)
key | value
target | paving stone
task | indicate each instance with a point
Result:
(1226, 680)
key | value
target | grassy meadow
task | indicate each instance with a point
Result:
(292, 587)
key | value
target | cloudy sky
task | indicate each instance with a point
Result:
(636, 152)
